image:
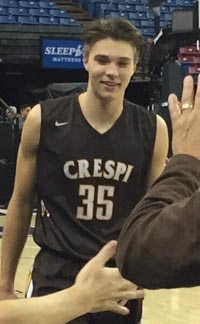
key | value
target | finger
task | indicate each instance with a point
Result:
(127, 295)
(118, 309)
(123, 302)
(174, 107)
(128, 285)
(197, 96)
(188, 90)
(107, 252)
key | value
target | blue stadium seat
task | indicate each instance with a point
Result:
(101, 9)
(146, 23)
(112, 14)
(69, 22)
(8, 3)
(136, 2)
(83, 4)
(170, 3)
(187, 3)
(132, 15)
(118, 1)
(135, 22)
(147, 31)
(38, 12)
(3, 11)
(165, 9)
(141, 15)
(163, 23)
(58, 13)
(141, 8)
(47, 4)
(28, 4)
(8, 20)
(18, 11)
(126, 7)
(171, 8)
(65, 21)
(48, 21)
(123, 14)
(93, 5)
(167, 17)
(115, 14)
(27, 20)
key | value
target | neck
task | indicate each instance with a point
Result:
(100, 113)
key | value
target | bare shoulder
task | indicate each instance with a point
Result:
(160, 150)
(162, 136)
(31, 129)
(160, 122)
(162, 130)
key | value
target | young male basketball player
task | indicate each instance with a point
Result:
(91, 157)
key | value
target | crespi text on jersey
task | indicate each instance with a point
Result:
(69, 51)
(96, 168)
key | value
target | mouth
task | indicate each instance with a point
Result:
(110, 84)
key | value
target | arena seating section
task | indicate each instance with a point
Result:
(49, 13)
(134, 10)
(34, 12)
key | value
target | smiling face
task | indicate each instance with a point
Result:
(110, 65)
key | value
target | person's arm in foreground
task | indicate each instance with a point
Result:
(159, 244)
(20, 207)
(96, 288)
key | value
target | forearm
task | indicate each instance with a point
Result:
(159, 243)
(14, 237)
(57, 308)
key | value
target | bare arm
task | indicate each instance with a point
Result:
(20, 207)
(96, 289)
(160, 151)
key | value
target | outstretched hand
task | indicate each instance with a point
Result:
(106, 289)
(185, 116)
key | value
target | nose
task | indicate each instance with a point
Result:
(112, 70)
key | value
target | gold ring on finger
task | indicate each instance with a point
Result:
(186, 106)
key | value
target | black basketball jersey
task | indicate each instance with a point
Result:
(89, 182)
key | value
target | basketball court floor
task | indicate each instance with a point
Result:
(175, 306)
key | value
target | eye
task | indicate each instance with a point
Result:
(123, 64)
(102, 61)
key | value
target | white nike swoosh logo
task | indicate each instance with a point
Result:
(61, 124)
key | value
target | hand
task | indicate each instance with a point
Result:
(7, 294)
(106, 289)
(185, 116)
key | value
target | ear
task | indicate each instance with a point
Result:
(134, 69)
(85, 62)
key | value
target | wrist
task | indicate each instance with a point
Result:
(6, 283)
(83, 297)
(8, 288)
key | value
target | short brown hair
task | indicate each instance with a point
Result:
(118, 29)
(24, 106)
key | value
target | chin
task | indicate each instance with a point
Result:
(107, 95)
